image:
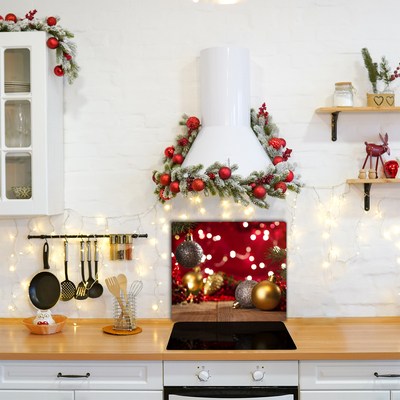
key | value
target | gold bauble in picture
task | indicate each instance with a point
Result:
(266, 295)
(213, 283)
(193, 280)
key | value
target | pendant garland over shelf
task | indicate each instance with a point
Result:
(219, 178)
(60, 42)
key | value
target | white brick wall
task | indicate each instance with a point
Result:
(139, 74)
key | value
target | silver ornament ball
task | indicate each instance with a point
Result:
(243, 293)
(189, 253)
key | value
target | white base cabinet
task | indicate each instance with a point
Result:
(345, 380)
(83, 380)
(344, 395)
(35, 395)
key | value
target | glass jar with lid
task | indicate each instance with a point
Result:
(343, 95)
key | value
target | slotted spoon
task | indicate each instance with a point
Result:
(68, 288)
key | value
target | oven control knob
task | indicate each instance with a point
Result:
(257, 375)
(204, 375)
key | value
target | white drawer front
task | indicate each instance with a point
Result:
(123, 375)
(35, 395)
(395, 395)
(234, 373)
(118, 395)
(345, 395)
(348, 375)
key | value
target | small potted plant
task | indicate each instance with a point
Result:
(377, 73)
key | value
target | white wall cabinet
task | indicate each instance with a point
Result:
(345, 380)
(31, 127)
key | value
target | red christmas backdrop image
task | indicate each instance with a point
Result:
(228, 271)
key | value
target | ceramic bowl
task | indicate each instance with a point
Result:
(60, 321)
(22, 192)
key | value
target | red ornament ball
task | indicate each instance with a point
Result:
(67, 56)
(253, 185)
(283, 142)
(391, 168)
(1, 18)
(169, 151)
(259, 192)
(58, 70)
(11, 17)
(154, 179)
(52, 43)
(51, 21)
(275, 143)
(281, 185)
(289, 177)
(193, 123)
(177, 159)
(198, 185)
(162, 195)
(225, 173)
(174, 187)
(165, 179)
(277, 160)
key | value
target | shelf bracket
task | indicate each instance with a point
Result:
(335, 117)
(367, 190)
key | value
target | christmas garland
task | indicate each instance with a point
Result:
(218, 178)
(65, 48)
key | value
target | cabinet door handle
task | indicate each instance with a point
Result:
(60, 375)
(386, 376)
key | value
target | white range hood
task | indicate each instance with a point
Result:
(226, 135)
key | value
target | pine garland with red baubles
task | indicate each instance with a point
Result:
(219, 178)
(60, 40)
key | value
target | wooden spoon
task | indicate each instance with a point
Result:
(123, 284)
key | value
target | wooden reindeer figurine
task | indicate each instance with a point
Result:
(376, 150)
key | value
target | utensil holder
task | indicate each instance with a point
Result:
(125, 317)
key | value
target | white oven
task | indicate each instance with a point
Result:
(211, 380)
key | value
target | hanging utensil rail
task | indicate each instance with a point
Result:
(134, 236)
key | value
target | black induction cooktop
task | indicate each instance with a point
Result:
(256, 335)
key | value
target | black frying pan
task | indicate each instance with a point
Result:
(45, 288)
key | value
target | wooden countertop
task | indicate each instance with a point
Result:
(315, 338)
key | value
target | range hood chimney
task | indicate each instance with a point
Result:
(226, 135)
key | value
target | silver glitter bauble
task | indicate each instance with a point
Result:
(243, 293)
(189, 253)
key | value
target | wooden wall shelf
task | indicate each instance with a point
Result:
(367, 187)
(335, 111)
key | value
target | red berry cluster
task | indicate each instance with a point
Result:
(211, 176)
(396, 73)
(178, 293)
(183, 141)
(283, 286)
(199, 298)
(190, 181)
(266, 179)
(262, 112)
(286, 154)
(30, 15)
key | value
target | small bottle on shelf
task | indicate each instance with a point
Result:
(113, 247)
(120, 247)
(128, 247)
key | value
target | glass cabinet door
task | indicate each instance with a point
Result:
(18, 176)
(17, 67)
(16, 129)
